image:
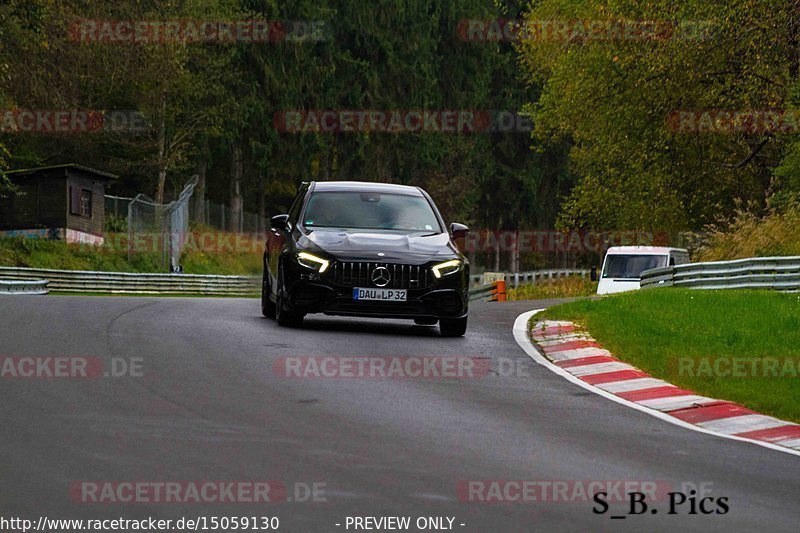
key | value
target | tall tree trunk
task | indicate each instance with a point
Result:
(515, 253)
(262, 202)
(162, 179)
(325, 165)
(236, 190)
(794, 44)
(162, 151)
(334, 169)
(497, 254)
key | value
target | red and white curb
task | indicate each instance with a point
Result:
(575, 355)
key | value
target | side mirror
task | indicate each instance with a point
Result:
(279, 222)
(457, 231)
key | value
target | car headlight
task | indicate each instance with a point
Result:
(446, 268)
(313, 262)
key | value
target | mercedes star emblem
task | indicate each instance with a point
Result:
(381, 277)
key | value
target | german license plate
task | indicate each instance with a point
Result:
(381, 295)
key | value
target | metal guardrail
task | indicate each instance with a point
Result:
(515, 279)
(777, 273)
(135, 283)
(212, 285)
(37, 286)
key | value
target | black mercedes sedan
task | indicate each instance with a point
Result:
(365, 249)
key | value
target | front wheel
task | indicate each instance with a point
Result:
(267, 305)
(284, 317)
(453, 327)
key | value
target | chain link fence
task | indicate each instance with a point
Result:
(163, 228)
(223, 218)
(165, 224)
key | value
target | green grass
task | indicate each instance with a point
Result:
(569, 287)
(651, 328)
(40, 253)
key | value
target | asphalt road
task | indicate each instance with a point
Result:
(209, 406)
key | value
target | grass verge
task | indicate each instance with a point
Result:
(144, 295)
(40, 253)
(775, 234)
(680, 335)
(570, 287)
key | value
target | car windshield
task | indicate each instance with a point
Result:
(631, 266)
(370, 211)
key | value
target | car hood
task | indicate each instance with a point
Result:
(352, 245)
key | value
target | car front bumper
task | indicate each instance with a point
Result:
(308, 292)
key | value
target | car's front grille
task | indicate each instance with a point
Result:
(359, 274)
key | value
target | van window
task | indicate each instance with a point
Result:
(631, 266)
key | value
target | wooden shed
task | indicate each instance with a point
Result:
(63, 202)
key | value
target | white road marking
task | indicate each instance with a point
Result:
(671, 403)
(598, 368)
(578, 353)
(571, 337)
(743, 423)
(629, 385)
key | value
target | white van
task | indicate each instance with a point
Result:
(623, 265)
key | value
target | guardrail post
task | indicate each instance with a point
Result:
(500, 291)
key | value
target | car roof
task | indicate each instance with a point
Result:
(365, 186)
(643, 250)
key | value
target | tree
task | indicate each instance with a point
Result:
(611, 99)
